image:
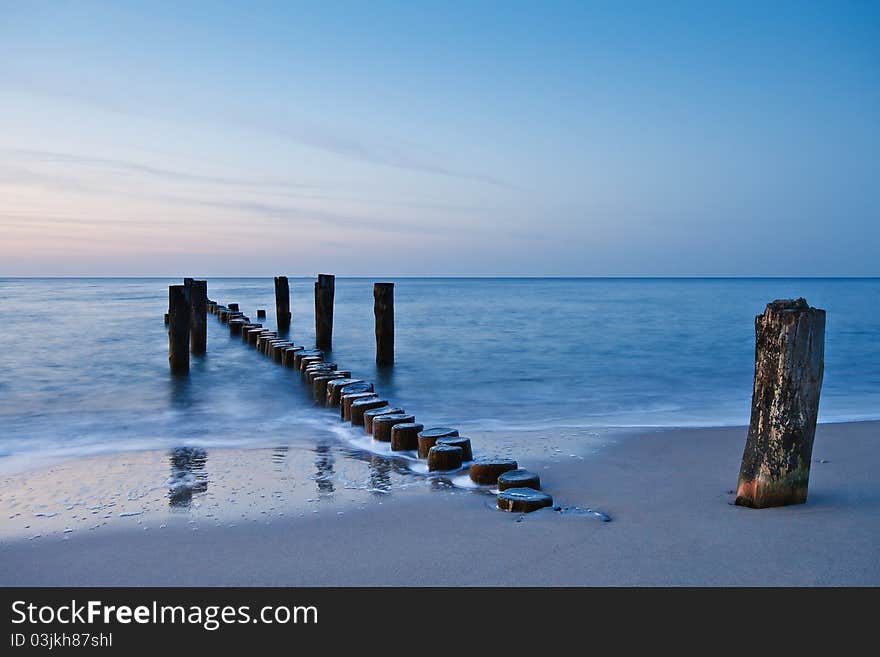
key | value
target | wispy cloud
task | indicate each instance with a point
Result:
(124, 166)
(266, 211)
(313, 136)
(273, 188)
(381, 154)
(287, 212)
(23, 176)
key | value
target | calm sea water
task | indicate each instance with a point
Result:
(85, 360)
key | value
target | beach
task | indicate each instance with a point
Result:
(668, 494)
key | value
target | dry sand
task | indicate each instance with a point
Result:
(667, 492)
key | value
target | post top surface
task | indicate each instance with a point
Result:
(790, 307)
(789, 304)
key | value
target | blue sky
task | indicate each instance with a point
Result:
(393, 139)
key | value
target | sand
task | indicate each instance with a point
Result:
(668, 493)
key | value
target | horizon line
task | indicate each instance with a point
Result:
(471, 277)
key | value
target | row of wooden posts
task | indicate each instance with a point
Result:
(187, 318)
(789, 369)
(360, 404)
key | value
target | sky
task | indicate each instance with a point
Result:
(449, 138)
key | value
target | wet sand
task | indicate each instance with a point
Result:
(668, 493)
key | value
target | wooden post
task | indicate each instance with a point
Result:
(334, 389)
(383, 309)
(347, 399)
(198, 300)
(368, 416)
(444, 457)
(247, 328)
(319, 384)
(360, 406)
(277, 351)
(405, 436)
(317, 369)
(178, 328)
(382, 424)
(789, 363)
(325, 288)
(305, 361)
(304, 353)
(518, 479)
(427, 438)
(523, 500)
(486, 471)
(282, 304)
(287, 358)
(467, 453)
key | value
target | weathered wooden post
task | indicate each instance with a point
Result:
(178, 328)
(282, 304)
(523, 500)
(467, 453)
(334, 389)
(303, 354)
(361, 406)
(427, 438)
(369, 415)
(444, 457)
(383, 309)
(382, 424)
(198, 300)
(486, 471)
(347, 399)
(518, 479)
(405, 436)
(287, 357)
(319, 384)
(325, 289)
(789, 363)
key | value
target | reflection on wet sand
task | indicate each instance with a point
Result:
(279, 454)
(380, 475)
(324, 472)
(152, 489)
(440, 483)
(188, 475)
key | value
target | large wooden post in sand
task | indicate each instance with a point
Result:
(178, 328)
(282, 304)
(325, 288)
(789, 362)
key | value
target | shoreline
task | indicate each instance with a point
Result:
(598, 436)
(668, 492)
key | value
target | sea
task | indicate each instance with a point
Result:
(85, 361)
